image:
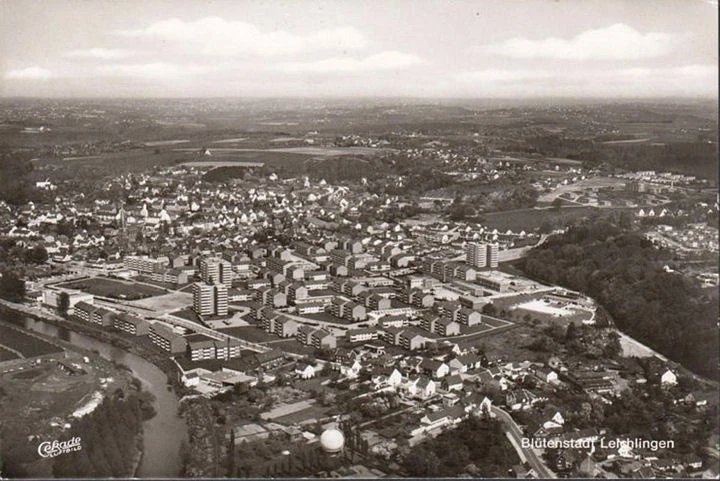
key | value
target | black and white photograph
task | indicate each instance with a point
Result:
(357, 239)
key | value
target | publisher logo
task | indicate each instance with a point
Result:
(50, 449)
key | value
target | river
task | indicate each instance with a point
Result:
(164, 433)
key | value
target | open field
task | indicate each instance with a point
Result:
(103, 287)
(249, 333)
(165, 302)
(25, 344)
(531, 219)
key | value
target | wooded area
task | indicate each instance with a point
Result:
(624, 273)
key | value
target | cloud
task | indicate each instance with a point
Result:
(504, 75)
(687, 80)
(616, 42)
(29, 73)
(157, 70)
(101, 53)
(390, 60)
(217, 36)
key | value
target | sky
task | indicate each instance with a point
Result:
(359, 48)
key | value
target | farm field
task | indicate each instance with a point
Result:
(103, 287)
(108, 164)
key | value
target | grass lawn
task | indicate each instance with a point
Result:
(326, 317)
(188, 314)
(249, 333)
(103, 287)
(475, 329)
(291, 345)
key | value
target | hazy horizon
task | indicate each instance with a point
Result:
(316, 49)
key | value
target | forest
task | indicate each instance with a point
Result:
(111, 438)
(624, 273)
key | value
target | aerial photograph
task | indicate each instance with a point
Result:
(354, 239)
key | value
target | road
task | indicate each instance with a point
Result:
(514, 432)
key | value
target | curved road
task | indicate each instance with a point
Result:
(513, 431)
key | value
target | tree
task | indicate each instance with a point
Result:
(12, 287)
(571, 332)
(38, 254)
(63, 303)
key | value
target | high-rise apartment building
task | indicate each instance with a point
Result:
(214, 270)
(492, 256)
(209, 299)
(476, 254)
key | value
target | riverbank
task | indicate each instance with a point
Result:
(163, 434)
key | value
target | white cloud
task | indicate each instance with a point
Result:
(390, 60)
(504, 75)
(101, 53)
(157, 70)
(616, 42)
(217, 36)
(29, 73)
(688, 80)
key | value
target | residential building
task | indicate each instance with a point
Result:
(214, 270)
(209, 299)
(131, 324)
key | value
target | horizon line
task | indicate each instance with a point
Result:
(363, 97)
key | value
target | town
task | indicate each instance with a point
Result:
(340, 322)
